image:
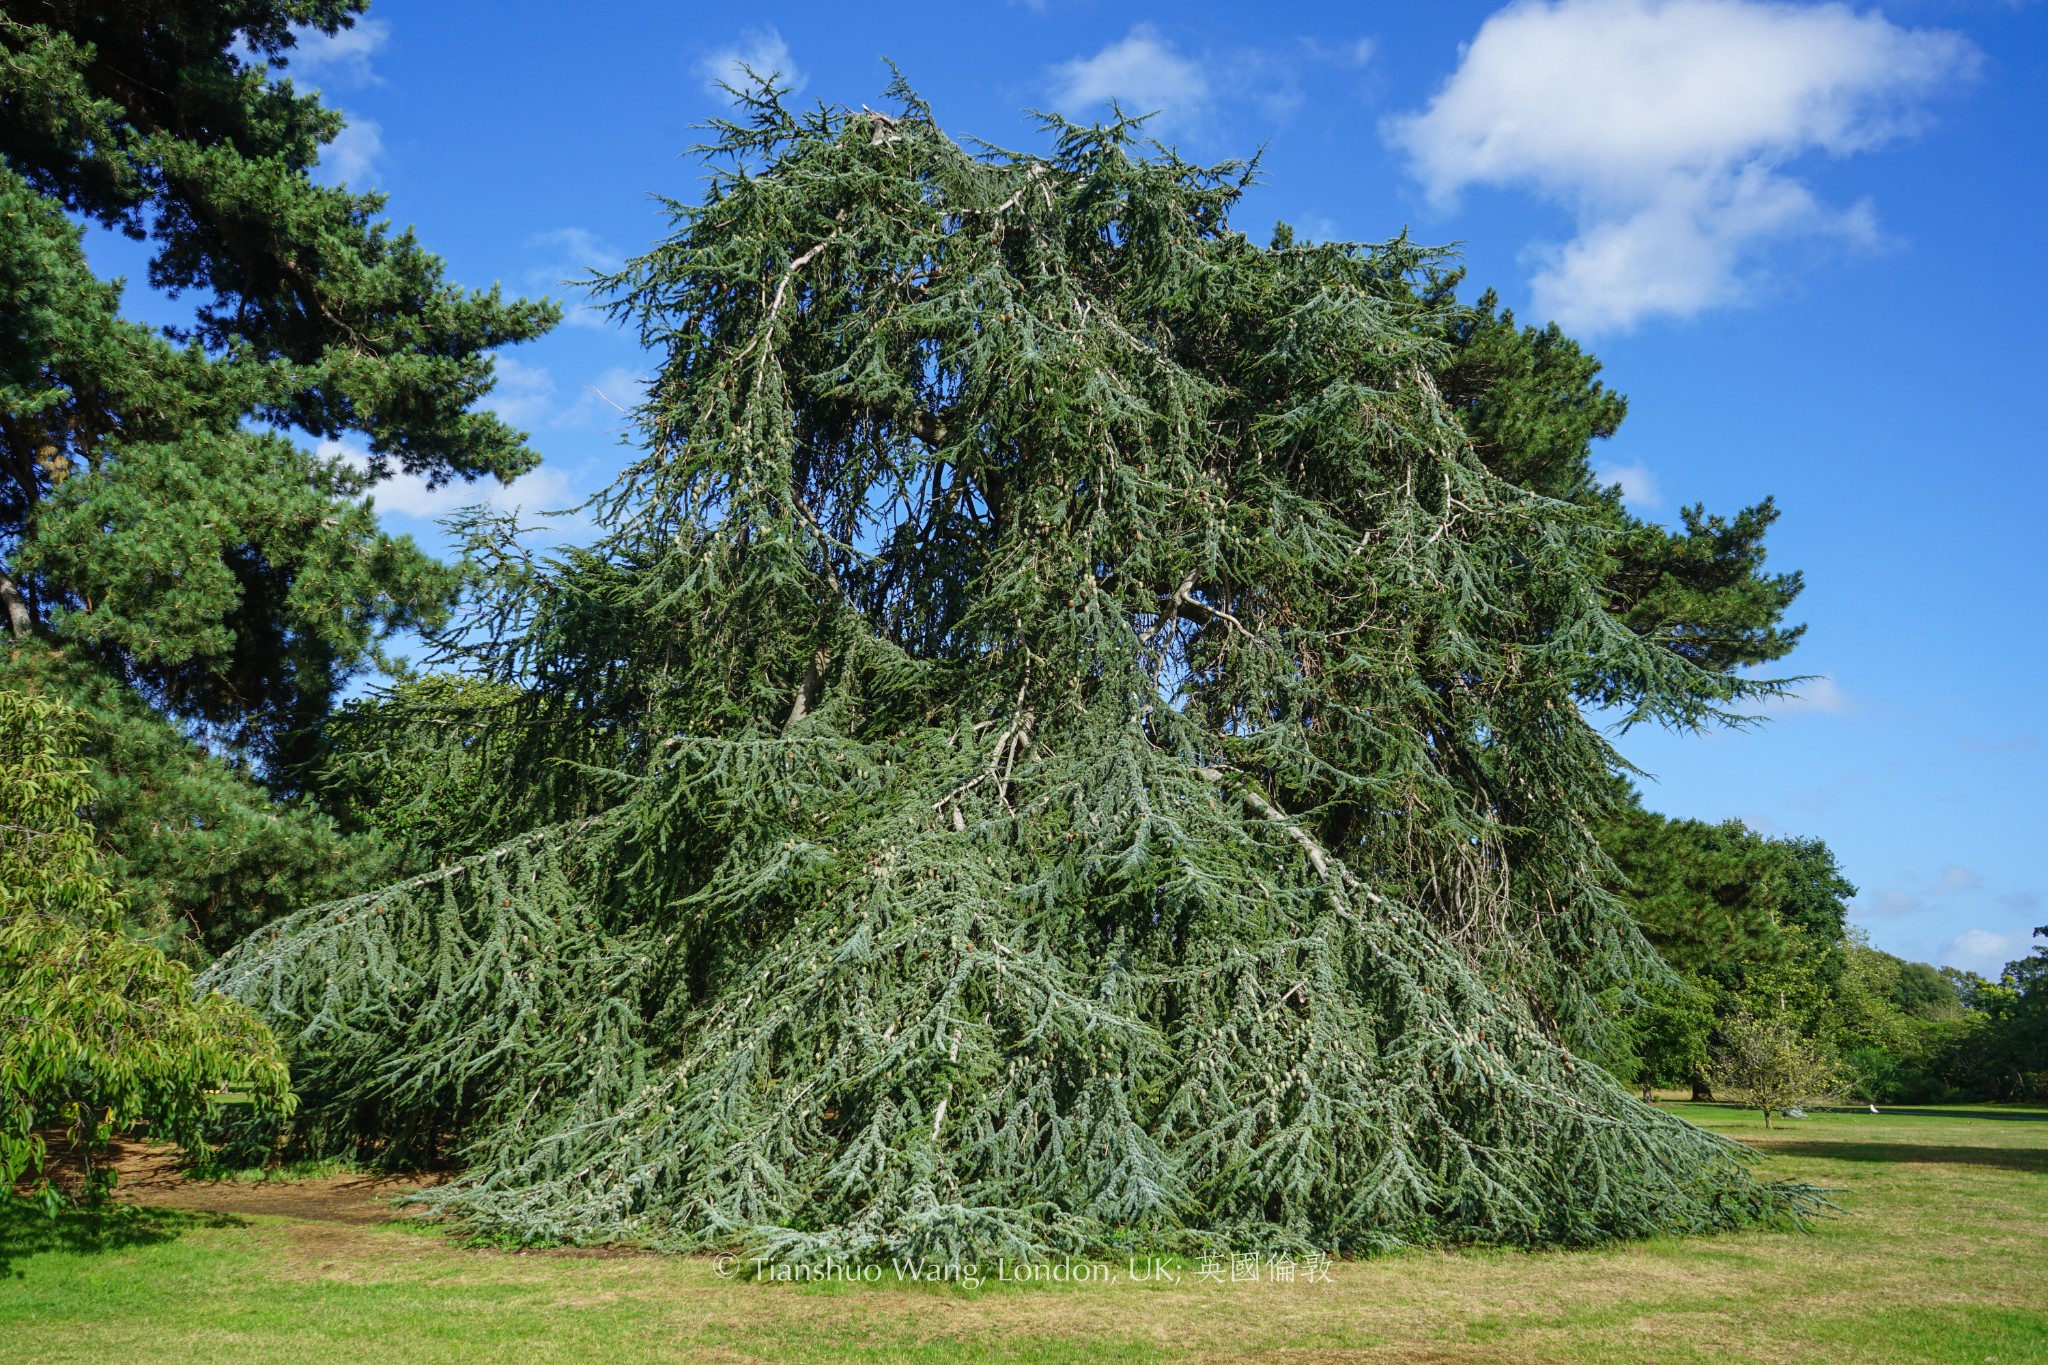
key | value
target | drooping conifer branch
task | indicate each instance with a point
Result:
(1086, 751)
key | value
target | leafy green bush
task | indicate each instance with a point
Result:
(98, 1030)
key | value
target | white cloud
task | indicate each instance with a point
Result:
(342, 58)
(544, 489)
(1664, 126)
(353, 156)
(1689, 250)
(524, 394)
(1984, 951)
(1638, 484)
(1142, 73)
(760, 50)
(1954, 880)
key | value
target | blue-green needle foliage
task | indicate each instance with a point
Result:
(1062, 743)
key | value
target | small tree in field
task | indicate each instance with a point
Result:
(1766, 1065)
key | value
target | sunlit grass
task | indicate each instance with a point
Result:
(317, 1168)
(1940, 1254)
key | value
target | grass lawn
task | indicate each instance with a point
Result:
(1940, 1254)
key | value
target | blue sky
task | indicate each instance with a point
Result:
(1806, 240)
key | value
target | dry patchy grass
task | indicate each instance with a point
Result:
(1940, 1253)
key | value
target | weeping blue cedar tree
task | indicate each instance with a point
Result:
(1061, 743)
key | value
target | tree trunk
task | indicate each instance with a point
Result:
(1700, 1089)
(807, 691)
(11, 603)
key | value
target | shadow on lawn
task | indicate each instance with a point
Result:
(25, 1230)
(2002, 1115)
(2003, 1158)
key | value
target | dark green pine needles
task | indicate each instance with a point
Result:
(1062, 743)
(177, 564)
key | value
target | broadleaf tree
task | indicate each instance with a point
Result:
(1769, 1066)
(98, 1030)
(1062, 741)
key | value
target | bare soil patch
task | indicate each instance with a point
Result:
(149, 1175)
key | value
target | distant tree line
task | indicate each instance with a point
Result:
(1757, 927)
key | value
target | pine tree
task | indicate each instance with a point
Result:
(1721, 902)
(1062, 741)
(159, 530)
(1533, 404)
(1746, 923)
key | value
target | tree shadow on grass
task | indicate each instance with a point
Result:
(26, 1230)
(2002, 1158)
(2000, 1115)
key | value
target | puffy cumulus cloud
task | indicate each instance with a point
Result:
(759, 51)
(1684, 252)
(1143, 73)
(340, 58)
(1665, 126)
(1985, 951)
